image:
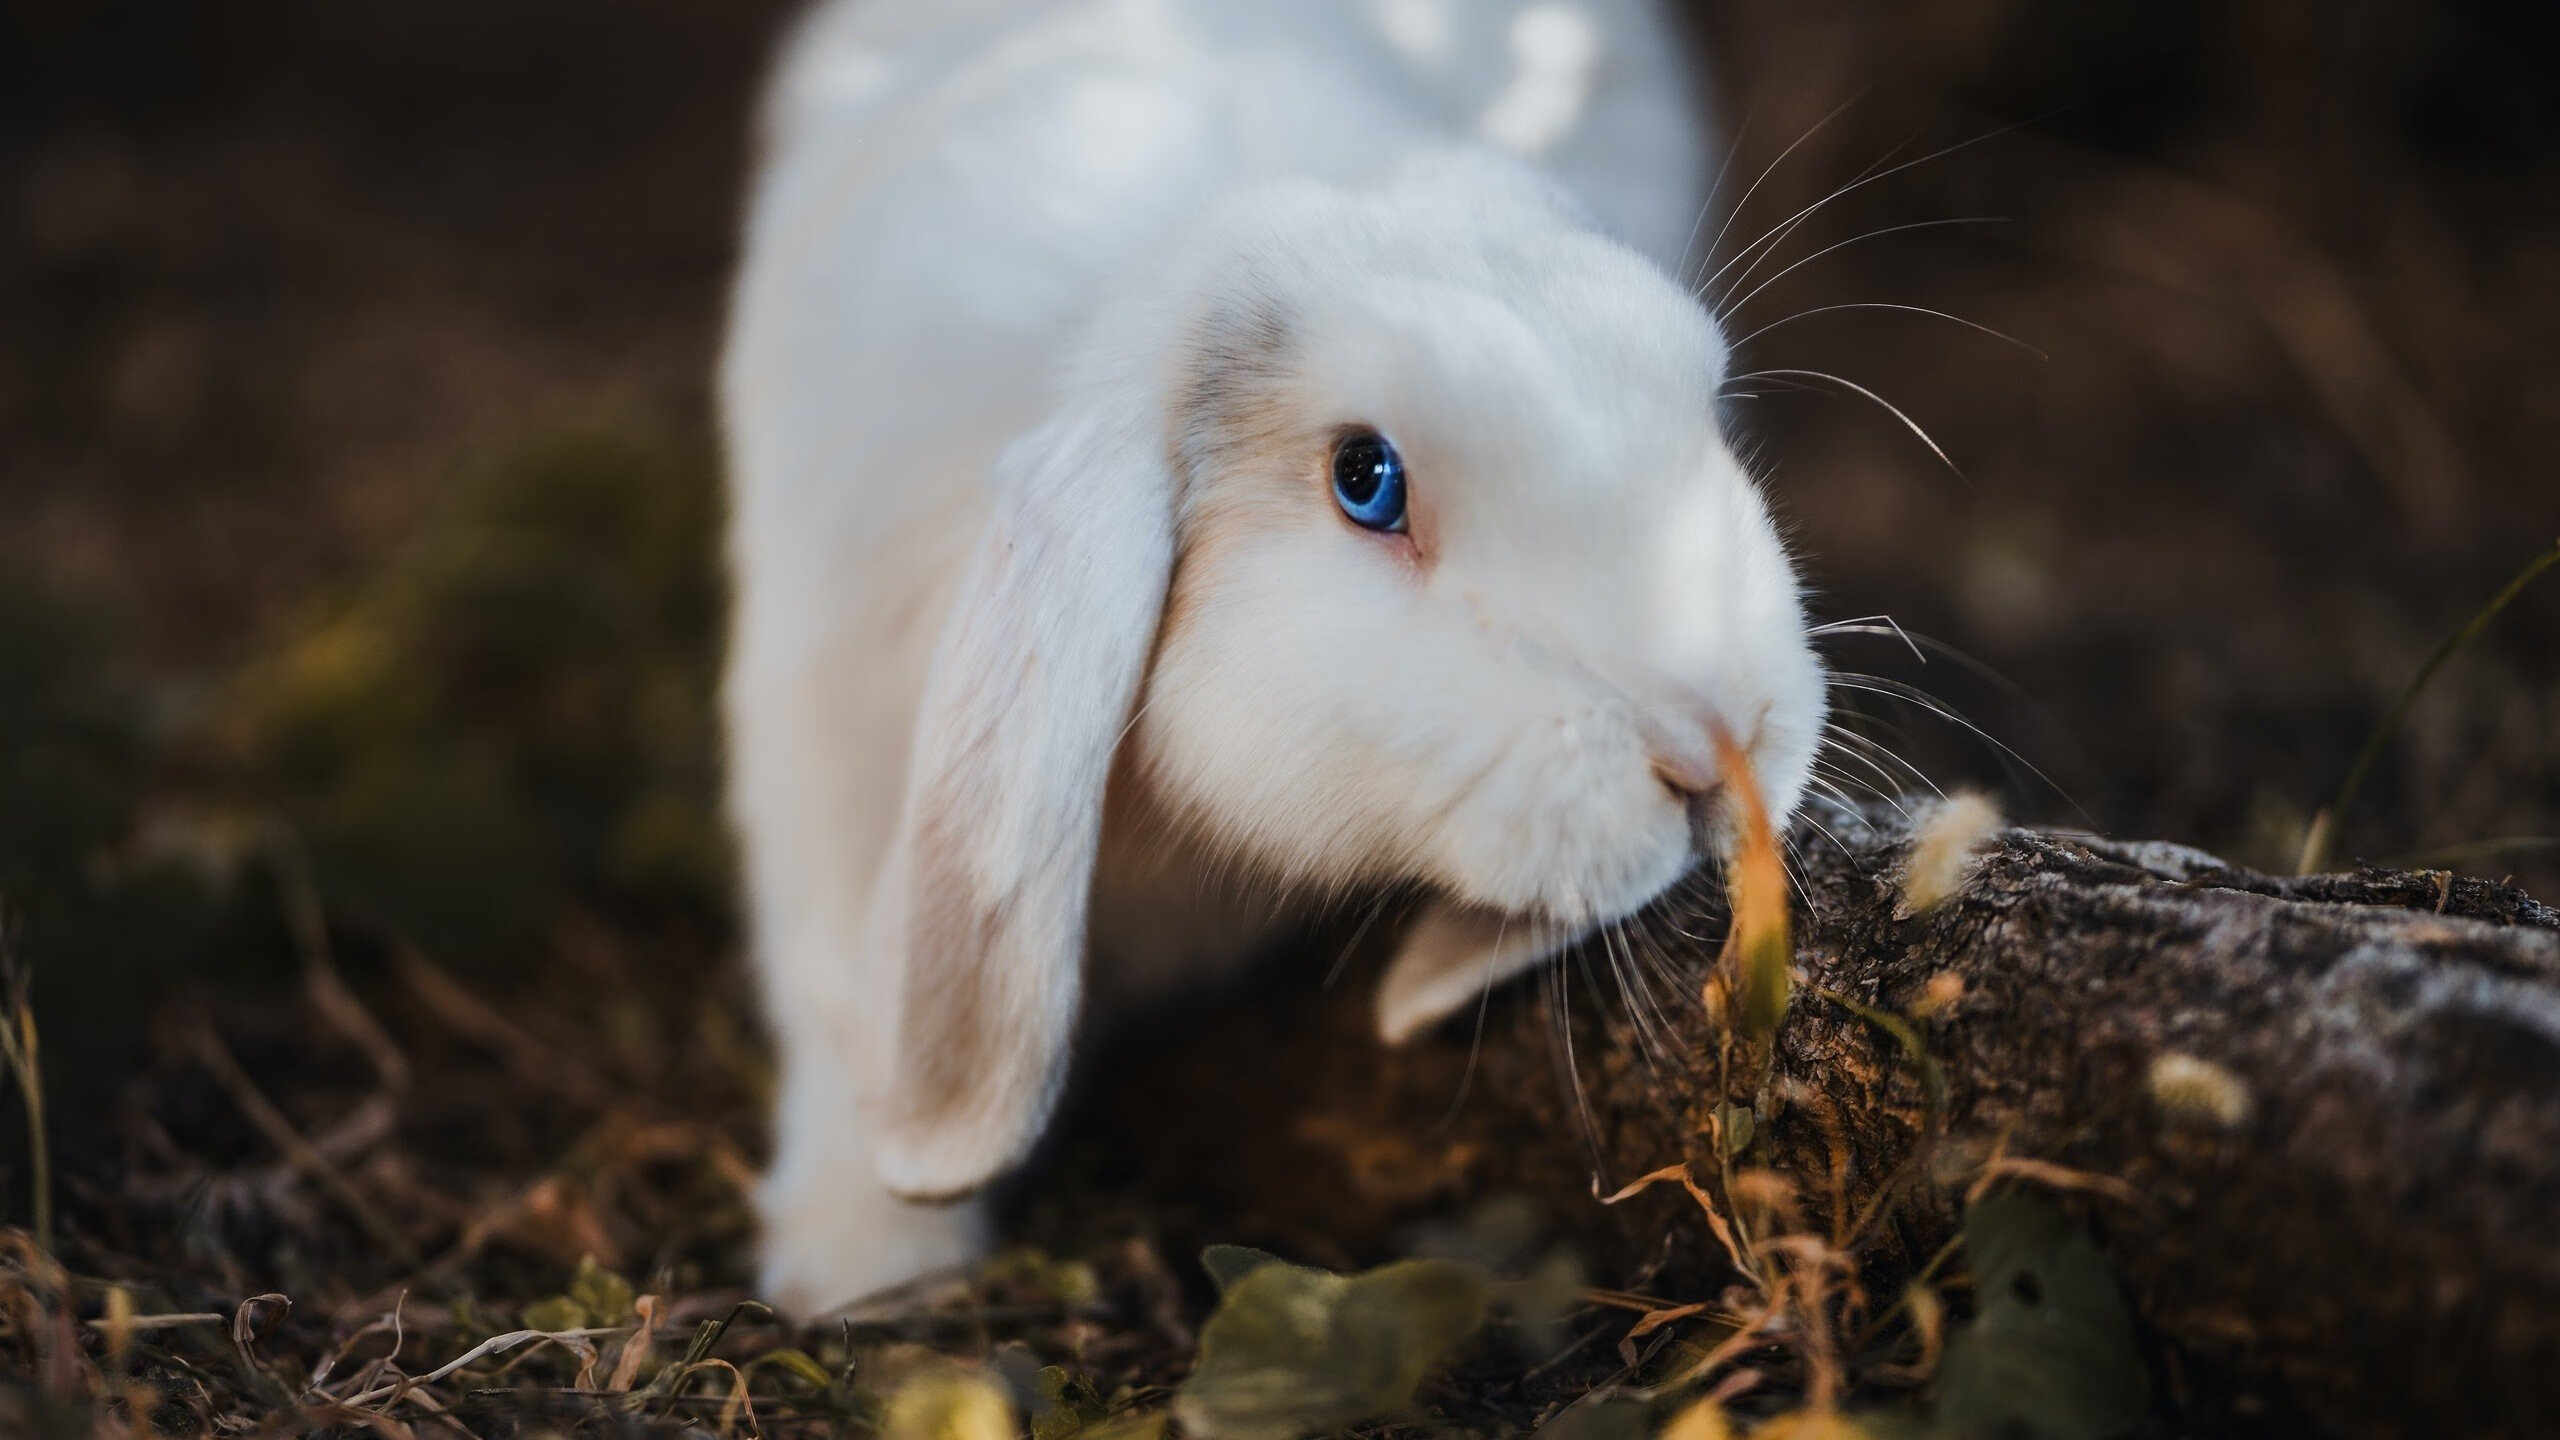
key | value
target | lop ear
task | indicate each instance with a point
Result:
(1450, 957)
(985, 893)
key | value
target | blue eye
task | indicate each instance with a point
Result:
(1368, 481)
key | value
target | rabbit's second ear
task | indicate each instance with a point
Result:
(1450, 956)
(1027, 699)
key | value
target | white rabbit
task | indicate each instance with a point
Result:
(1195, 459)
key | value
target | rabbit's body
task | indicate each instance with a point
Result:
(1003, 252)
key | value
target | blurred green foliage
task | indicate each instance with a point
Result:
(68, 737)
(1297, 1351)
(2050, 1352)
(517, 711)
(509, 720)
(102, 921)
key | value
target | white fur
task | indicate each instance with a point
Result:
(1049, 640)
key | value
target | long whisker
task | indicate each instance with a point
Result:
(1660, 958)
(1475, 1036)
(1862, 181)
(1908, 694)
(2001, 335)
(1560, 1020)
(1982, 670)
(1889, 407)
(1770, 169)
(1715, 188)
(1837, 783)
(1650, 966)
(1792, 863)
(1866, 625)
(1869, 734)
(1867, 750)
(1841, 784)
(1725, 313)
(1914, 695)
(1616, 1029)
(1824, 830)
(1827, 784)
(1643, 1019)
(1636, 1018)
(1342, 962)
(1840, 781)
(1655, 960)
(1776, 236)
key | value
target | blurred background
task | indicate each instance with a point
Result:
(358, 484)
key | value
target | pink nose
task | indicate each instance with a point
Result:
(1693, 779)
(1682, 746)
(1685, 769)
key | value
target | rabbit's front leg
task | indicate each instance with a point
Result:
(812, 803)
(832, 1232)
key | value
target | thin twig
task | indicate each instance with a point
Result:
(457, 1007)
(137, 1324)
(297, 1151)
(307, 919)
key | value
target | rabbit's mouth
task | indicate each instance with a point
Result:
(1605, 816)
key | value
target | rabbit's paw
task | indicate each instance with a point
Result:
(828, 1245)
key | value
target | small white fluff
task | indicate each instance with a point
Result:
(1946, 847)
(1059, 651)
(2195, 1091)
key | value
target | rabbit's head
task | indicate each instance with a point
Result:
(1384, 537)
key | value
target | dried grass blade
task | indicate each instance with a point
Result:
(1689, 1182)
(1759, 947)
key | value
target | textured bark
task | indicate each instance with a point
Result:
(2373, 1250)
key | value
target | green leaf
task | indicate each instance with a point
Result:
(1227, 1264)
(1736, 1128)
(1069, 1282)
(1292, 1351)
(1542, 1301)
(603, 1295)
(556, 1312)
(1068, 1403)
(705, 1335)
(798, 1362)
(2050, 1352)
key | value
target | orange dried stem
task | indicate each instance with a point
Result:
(1706, 1202)
(1759, 944)
(2051, 1176)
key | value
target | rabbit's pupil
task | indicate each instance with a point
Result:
(1368, 481)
